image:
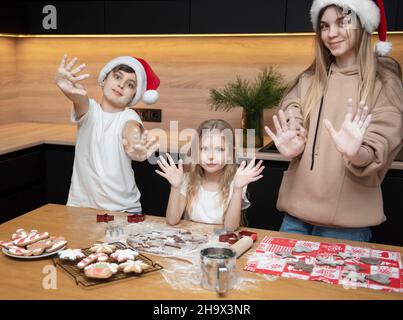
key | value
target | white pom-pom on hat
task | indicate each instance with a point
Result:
(383, 48)
(150, 96)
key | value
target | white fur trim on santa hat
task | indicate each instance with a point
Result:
(383, 48)
(150, 96)
(132, 63)
(367, 11)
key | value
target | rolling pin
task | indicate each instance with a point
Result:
(242, 245)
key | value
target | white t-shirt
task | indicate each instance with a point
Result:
(103, 177)
(207, 206)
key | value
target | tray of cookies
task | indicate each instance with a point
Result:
(32, 244)
(103, 263)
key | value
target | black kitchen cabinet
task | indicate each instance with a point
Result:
(147, 17)
(59, 168)
(263, 195)
(237, 16)
(154, 189)
(391, 10)
(168, 16)
(23, 182)
(298, 17)
(13, 17)
(72, 17)
(399, 16)
(390, 231)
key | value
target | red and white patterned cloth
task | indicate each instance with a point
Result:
(266, 260)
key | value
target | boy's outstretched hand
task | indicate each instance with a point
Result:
(171, 172)
(248, 173)
(138, 147)
(67, 79)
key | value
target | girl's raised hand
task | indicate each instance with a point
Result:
(68, 80)
(248, 173)
(349, 138)
(290, 137)
(170, 171)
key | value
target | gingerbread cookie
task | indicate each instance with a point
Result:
(100, 257)
(20, 233)
(103, 248)
(379, 278)
(7, 245)
(137, 266)
(71, 254)
(33, 237)
(19, 251)
(124, 255)
(371, 261)
(39, 247)
(329, 261)
(101, 270)
(57, 243)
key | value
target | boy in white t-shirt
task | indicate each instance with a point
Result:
(109, 134)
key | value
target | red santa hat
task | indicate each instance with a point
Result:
(147, 80)
(372, 17)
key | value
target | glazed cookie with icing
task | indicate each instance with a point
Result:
(124, 255)
(101, 270)
(39, 247)
(71, 254)
(137, 266)
(32, 237)
(103, 248)
(57, 243)
(100, 257)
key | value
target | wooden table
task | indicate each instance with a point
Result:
(23, 279)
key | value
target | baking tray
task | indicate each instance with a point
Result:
(80, 278)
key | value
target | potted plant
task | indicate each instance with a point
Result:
(265, 92)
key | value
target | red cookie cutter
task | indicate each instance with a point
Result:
(246, 233)
(135, 218)
(105, 218)
(231, 238)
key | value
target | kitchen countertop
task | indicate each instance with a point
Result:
(21, 135)
(24, 279)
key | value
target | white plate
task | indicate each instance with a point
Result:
(43, 255)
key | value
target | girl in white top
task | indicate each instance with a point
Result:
(214, 189)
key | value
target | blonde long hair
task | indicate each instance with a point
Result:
(196, 172)
(366, 63)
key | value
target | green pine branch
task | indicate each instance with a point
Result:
(264, 92)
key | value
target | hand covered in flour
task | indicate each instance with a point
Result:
(290, 137)
(68, 80)
(248, 173)
(171, 172)
(349, 138)
(137, 145)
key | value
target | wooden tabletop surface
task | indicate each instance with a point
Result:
(23, 279)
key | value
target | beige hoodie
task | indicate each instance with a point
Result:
(335, 192)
